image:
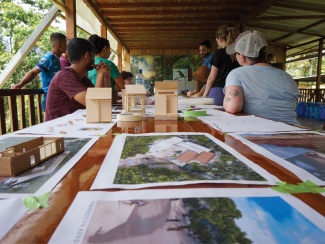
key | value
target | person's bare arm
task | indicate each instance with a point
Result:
(233, 101)
(102, 73)
(120, 82)
(81, 97)
(27, 78)
(200, 93)
(211, 79)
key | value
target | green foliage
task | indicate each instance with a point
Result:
(212, 220)
(304, 68)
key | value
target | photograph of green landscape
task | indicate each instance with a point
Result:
(183, 158)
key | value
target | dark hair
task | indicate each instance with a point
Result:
(57, 37)
(126, 74)
(98, 43)
(263, 57)
(77, 47)
(206, 43)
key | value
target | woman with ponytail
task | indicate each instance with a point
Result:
(222, 64)
(102, 52)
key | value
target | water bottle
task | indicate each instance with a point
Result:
(322, 113)
(311, 110)
(151, 88)
(139, 78)
(317, 111)
(300, 109)
(307, 110)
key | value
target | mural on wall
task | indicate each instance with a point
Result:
(158, 68)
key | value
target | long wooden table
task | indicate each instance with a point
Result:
(39, 225)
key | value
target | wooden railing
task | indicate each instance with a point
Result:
(20, 109)
(310, 95)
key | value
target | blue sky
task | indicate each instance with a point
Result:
(272, 220)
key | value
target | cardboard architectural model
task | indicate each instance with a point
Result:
(99, 105)
(166, 95)
(23, 156)
(135, 95)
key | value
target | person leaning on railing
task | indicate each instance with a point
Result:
(258, 88)
(48, 65)
(68, 88)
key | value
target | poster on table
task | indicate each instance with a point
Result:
(11, 211)
(245, 124)
(190, 216)
(303, 153)
(45, 176)
(74, 124)
(163, 159)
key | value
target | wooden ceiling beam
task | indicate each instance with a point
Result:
(103, 21)
(194, 13)
(172, 4)
(171, 25)
(168, 20)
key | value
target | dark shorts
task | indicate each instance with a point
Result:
(217, 94)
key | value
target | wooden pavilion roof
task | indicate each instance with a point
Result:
(297, 25)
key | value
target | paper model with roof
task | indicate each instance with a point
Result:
(135, 99)
(166, 96)
(99, 105)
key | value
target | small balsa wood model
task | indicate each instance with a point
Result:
(99, 105)
(166, 95)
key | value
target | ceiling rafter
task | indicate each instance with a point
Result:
(301, 31)
(173, 4)
(299, 7)
(142, 23)
(278, 18)
(103, 20)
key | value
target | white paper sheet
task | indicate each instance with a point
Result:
(189, 216)
(11, 210)
(300, 152)
(45, 176)
(70, 125)
(245, 124)
(225, 164)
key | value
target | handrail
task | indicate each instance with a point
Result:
(15, 106)
(310, 95)
(13, 103)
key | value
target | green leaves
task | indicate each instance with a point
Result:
(33, 202)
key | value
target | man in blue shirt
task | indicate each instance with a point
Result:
(205, 51)
(47, 66)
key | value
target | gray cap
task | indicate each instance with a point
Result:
(248, 43)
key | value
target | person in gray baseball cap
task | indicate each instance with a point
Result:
(257, 87)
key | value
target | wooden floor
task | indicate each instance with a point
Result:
(311, 123)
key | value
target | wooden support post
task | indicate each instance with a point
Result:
(103, 31)
(70, 19)
(119, 56)
(319, 67)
